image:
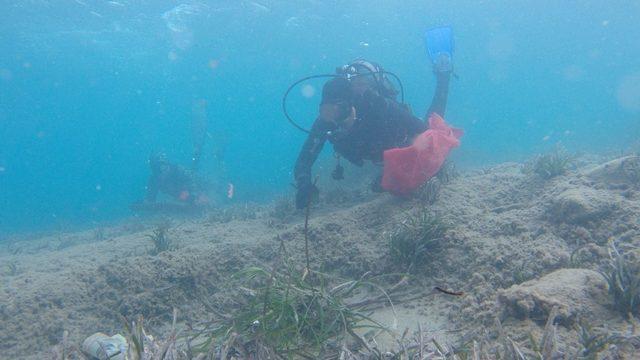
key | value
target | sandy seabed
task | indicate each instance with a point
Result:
(518, 246)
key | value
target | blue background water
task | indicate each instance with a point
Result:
(88, 89)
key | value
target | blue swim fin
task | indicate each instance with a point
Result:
(439, 41)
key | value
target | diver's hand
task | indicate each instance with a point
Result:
(305, 194)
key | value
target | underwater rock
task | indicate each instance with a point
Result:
(621, 171)
(101, 346)
(580, 205)
(575, 292)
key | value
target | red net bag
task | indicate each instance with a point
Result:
(405, 169)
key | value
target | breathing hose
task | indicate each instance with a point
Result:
(292, 86)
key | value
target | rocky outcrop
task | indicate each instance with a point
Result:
(580, 205)
(575, 292)
(619, 172)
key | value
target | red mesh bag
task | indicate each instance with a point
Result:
(405, 169)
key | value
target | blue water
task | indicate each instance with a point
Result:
(88, 89)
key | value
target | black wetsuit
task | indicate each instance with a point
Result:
(381, 124)
(176, 182)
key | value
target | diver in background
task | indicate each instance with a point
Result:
(172, 180)
(360, 116)
(178, 182)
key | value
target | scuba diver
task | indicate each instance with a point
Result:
(361, 116)
(179, 183)
(172, 180)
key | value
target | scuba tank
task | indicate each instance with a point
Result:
(364, 68)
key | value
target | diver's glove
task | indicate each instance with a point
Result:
(443, 64)
(306, 193)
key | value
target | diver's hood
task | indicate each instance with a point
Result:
(362, 67)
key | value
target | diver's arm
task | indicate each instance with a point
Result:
(439, 102)
(329, 113)
(306, 189)
(308, 155)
